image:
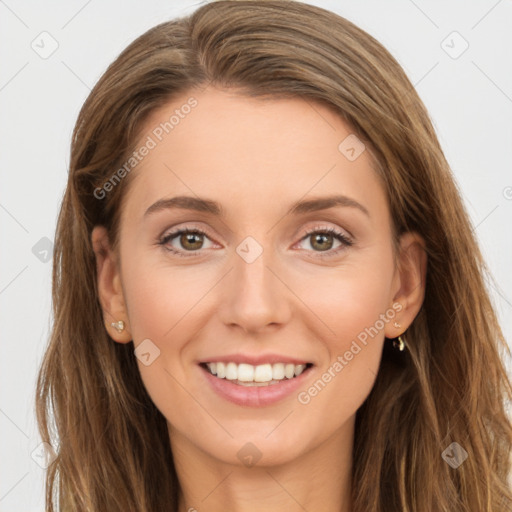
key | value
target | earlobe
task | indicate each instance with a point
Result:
(412, 271)
(109, 287)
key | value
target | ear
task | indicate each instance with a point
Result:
(409, 283)
(110, 291)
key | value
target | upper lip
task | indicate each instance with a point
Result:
(255, 360)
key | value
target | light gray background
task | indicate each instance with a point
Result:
(469, 99)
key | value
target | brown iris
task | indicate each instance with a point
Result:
(321, 238)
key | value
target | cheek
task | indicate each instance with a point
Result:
(162, 307)
(348, 301)
(354, 309)
(161, 297)
(167, 306)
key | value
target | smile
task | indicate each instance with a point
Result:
(257, 385)
(261, 375)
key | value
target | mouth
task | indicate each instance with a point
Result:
(262, 375)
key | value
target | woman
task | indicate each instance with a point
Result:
(267, 291)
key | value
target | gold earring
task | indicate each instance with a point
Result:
(399, 343)
(119, 326)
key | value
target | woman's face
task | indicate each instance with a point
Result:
(289, 262)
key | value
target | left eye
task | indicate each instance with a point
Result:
(323, 239)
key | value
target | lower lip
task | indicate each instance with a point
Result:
(255, 396)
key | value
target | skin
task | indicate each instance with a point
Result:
(257, 157)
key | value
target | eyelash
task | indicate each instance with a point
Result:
(345, 241)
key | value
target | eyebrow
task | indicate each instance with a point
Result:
(209, 206)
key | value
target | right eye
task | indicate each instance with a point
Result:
(191, 240)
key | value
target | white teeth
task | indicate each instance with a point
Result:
(278, 371)
(299, 369)
(263, 373)
(249, 375)
(245, 372)
(221, 370)
(231, 371)
(289, 371)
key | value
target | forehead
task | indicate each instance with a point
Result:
(254, 152)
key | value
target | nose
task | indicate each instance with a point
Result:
(254, 297)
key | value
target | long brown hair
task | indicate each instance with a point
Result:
(112, 443)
